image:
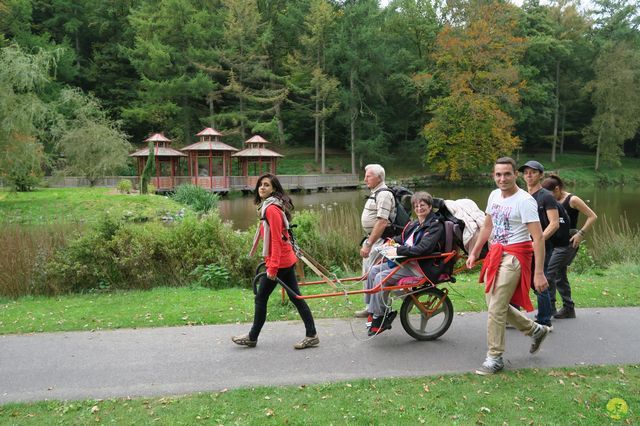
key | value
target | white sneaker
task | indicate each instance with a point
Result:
(538, 337)
(490, 366)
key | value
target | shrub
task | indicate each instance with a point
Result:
(124, 186)
(151, 189)
(583, 263)
(26, 251)
(330, 236)
(120, 255)
(616, 243)
(199, 199)
(212, 276)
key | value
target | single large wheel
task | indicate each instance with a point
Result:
(430, 322)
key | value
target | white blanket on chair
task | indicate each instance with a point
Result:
(469, 212)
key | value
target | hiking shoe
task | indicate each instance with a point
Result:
(538, 337)
(307, 342)
(380, 324)
(361, 314)
(565, 313)
(490, 366)
(244, 341)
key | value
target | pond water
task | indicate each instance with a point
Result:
(606, 202)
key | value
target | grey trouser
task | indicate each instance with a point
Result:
(378, 301)
(560, 259)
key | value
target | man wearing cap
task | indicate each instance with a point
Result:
(513, 224)
(552, 216)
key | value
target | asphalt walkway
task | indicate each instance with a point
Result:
(179, 360)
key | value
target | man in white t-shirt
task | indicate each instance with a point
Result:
(511, 221)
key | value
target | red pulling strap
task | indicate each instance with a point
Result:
(524, 253)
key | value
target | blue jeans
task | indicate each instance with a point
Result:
(545, 309)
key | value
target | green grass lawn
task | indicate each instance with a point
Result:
(81, 205)
(529, 397)
(618, 286)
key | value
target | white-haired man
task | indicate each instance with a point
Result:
(378, 213)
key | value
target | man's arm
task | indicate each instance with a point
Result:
(539, 280)
(554, 223)
(483, 237)
(374, 236)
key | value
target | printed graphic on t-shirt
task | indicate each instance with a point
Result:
(501, 226)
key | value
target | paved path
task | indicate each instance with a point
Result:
(180, 360)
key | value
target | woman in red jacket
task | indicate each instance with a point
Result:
(275, 212)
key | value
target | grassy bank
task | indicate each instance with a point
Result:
(571, 396)
(81, 205)
(618, 286)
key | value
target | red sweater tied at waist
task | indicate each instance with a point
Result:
(524, 253)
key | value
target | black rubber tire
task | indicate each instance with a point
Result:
(256, 281)
(413, 320)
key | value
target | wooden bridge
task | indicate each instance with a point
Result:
(221, 184)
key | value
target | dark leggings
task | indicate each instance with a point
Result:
(265, 288)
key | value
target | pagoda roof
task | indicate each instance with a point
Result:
(256, 152)
(159, 152)
(256, 139)
(209, 132)
(209, 146)
(157, 137)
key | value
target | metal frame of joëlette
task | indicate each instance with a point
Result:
(417, 282)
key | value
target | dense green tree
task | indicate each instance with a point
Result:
(360, 61)
(169, 36)
(250, 81)
(615, 93)
(92, 145)
(23, 113)
(471, 125)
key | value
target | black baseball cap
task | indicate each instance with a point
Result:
(532, 164)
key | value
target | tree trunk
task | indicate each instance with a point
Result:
(280, 123)
(213, 120)
(564, 119)
(556, 112)
(322, 168)
(598, 149)
(354, 116)
(317, 128)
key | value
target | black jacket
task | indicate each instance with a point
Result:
(428, 238)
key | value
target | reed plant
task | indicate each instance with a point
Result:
(332, 236)
(25, 252)
(616, 242)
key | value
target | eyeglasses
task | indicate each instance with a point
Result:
(420, 205)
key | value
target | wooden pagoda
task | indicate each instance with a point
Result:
(166, 159)
(255, 159)
(210, 161)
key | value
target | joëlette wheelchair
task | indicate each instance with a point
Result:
(426, 312)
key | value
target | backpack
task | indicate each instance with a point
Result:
(402, 198)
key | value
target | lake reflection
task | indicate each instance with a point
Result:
(606, 202)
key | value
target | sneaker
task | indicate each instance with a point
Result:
(369, 320)
(307, 342)
(361, 314)
(565, 313)
(538, 337)
(380, 324)
(490, 366)
(548, 325)
(244, 341)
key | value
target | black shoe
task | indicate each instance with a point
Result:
(380, 324)
(565, 313)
